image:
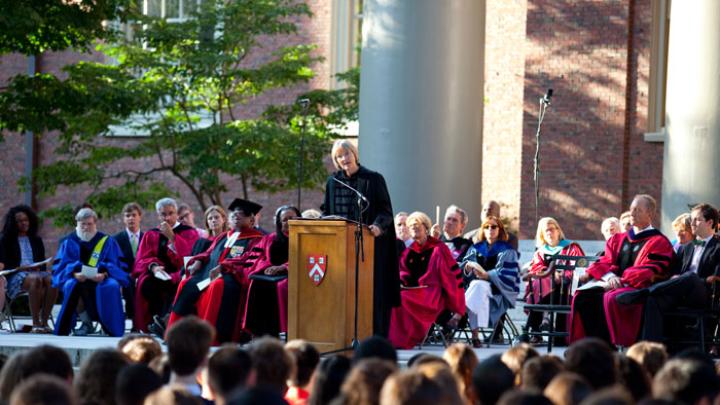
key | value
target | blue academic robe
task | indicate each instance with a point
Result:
(108, 298)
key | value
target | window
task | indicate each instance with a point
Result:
(346, 37)
(171, 10)
(658, 71)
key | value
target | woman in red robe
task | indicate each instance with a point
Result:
(267, 300)
(430, 281)
(550, 241)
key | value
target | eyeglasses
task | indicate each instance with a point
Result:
(490, 227)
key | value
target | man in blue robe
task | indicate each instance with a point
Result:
(89, 269)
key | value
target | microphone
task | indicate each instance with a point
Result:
(546, 98)
(359, 194)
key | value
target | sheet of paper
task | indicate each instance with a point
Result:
(162, 275)
(186, 259)
(88, 271)
(203, 284)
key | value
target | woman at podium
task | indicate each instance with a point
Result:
(431, 283)
(359, 194)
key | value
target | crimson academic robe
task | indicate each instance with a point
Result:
(639, 260)
(154, 249)
(433, 283)
(263, 296)
(107, 304)
(222, 302)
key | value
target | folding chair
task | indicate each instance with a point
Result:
(560, 264)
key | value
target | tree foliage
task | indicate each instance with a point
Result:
(180, 86)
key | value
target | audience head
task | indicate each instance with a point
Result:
(419, 225)
(43, 389)
(161, 366)
(216, 220)
(306, 358)
(20, 220)
(173, 394)
(610, 226)
(454, 221)
(257, 395)
(273, 365)
(491, 378)
(549, 232)
(95, 383)
(188, 343)
(651, 355)
(642, 211)
(375, 347)
(439, 371)
(683, 228)
(633, 377)
(524, 397)
(685, 380)
(425, 358)
(704, 218)
(539, 371)
(492, 229)
(490, 208)
(167, 210)
(515, 358)
(48, 360)
(329, 376)
(282, 215)
(343, 147)
(612, 395)
(363, 384)
(401, 229)
(140, 348)
(592, 359)
(11, 375)
(626, 221)
(567, 389)
(229, 368)
(462, 361)
(132, 216)
(134, 383)
(412, 387)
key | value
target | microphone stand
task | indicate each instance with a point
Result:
(359, 255)
(544, 103)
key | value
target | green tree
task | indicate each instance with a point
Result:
(180, 84)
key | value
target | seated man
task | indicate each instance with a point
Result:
(223, 266)
(430, 281)
(452, 231)
(88, 249)
(634, 259)
(158, 264)
(699, 269)
(129, 239)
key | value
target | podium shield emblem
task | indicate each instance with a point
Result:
(316, 268)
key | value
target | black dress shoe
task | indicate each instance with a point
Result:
(633, 297)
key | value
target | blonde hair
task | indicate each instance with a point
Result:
(462, 361)
(651, 355)
(540, 235)
(420, 217)
(515, 358)
(343, 144)
(682, 222)
(220, 211)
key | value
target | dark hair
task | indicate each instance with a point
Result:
(633, 376)
(273, 365)
(491, 379)
(188, 343)
(228, 369)
(257, 395)
(366, 379)
(278, 222)
(375, 346)
(10, 228)
(134, 383)
(329, 377)
(130, 207)
(95, 383)
(48, 360)
(708, 212)
(306, 357)
(524, 397)
(592, 359)
(43, 389)
(685, 380)
(539, 371)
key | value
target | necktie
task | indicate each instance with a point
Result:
(133, 244)
(700, 243)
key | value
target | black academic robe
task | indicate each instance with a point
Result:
(379, 212)
(128, 293)
(10, 251)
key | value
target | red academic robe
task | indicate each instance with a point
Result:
(651, 265)
(262, 262)
(540, 265)
(150, 251)
(410, 322)
(208, 305)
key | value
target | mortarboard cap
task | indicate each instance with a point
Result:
(248, 207)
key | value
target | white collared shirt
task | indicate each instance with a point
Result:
(697, 255)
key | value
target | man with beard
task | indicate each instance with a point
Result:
(158, 263)
(89, 269)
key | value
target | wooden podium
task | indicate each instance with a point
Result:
(324, 313)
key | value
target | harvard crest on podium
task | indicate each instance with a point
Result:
(316, 267)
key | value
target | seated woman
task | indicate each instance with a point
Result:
(490, 270)
(683, 231)
(430, 282)
(266, 307)
(20, 247)
(550, 241)
(216, 222)
(216, 286)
